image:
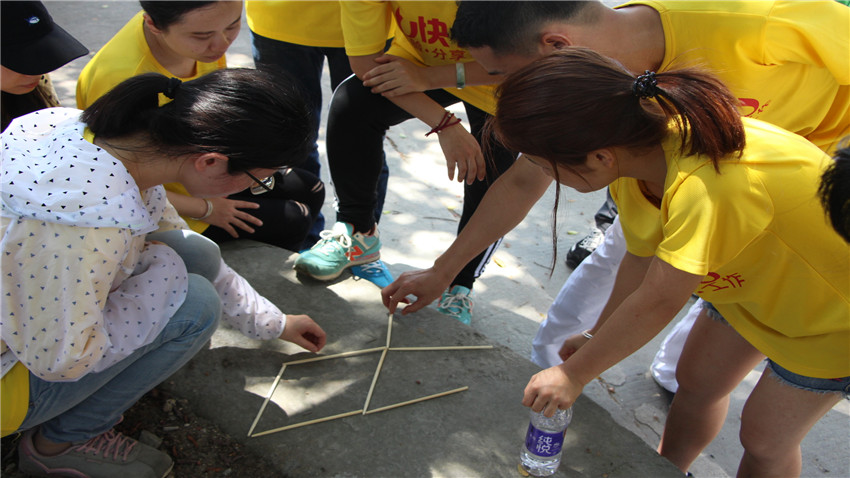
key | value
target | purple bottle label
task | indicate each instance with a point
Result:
(544, 444)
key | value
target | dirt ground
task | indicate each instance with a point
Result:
(198, 447)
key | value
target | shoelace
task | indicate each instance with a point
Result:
(331, 240)
(593, 239)
(372, 268)
(456, 303)
(109, 442)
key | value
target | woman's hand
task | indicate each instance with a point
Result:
(228, 215)
(571, 346)
(550, 390)
(396, 76)
(463, 153)
(426, 285)
(301, 330)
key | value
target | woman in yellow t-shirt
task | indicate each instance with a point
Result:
(711, 204)
(188, 40)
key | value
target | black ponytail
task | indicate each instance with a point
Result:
(127, 108)
(258, 119)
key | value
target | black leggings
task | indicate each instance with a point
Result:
(357, 123)
(287, 211)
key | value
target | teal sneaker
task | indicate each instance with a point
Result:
(337, 250)
(457, 304)
(375, 272)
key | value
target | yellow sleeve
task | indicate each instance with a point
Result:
(92, 84)
(710, 218)
(816, 33)
(120, 58)
(365, 26)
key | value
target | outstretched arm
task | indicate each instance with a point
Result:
(504, 206)
(629, 276)
(656, 299)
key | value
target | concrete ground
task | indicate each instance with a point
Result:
(228, 381)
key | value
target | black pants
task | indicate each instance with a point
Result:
(304, 64)
(287, 211)
(357, 122)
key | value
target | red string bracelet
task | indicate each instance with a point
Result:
(449, 119)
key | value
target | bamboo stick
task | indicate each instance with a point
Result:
(423, 349)
(415, 400)
(389, 328)
(309, 422)
(268, 397)
(374, 380)
(343, 354)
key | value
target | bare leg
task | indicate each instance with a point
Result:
(775, 420)
(714, 361)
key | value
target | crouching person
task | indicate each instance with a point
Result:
(104, 292)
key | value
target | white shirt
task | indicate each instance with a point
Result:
(81, 289)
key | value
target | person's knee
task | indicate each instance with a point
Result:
(688, 378)
(696, 387)
(759, 444)
(352, 100)
(201, 309)
(201, 255)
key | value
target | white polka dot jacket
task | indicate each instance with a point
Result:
(81, 288)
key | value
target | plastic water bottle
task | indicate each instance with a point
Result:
(541, 454)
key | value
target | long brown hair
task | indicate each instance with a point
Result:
(574, 101)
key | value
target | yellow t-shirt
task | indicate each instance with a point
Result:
(791, 61)
(310, 23)
(422, 36)
(126, 55)
(773, 266)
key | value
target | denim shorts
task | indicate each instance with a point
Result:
(811, 384)
(713, 313)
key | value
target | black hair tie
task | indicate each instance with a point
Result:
(171, 87)
(645, 85)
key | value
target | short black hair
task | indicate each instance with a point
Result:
(509, 26)
(164, 14)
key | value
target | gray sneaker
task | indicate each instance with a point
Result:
(107, 455)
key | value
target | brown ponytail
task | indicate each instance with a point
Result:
(574, 101)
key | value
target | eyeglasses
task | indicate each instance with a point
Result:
(261, 186)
